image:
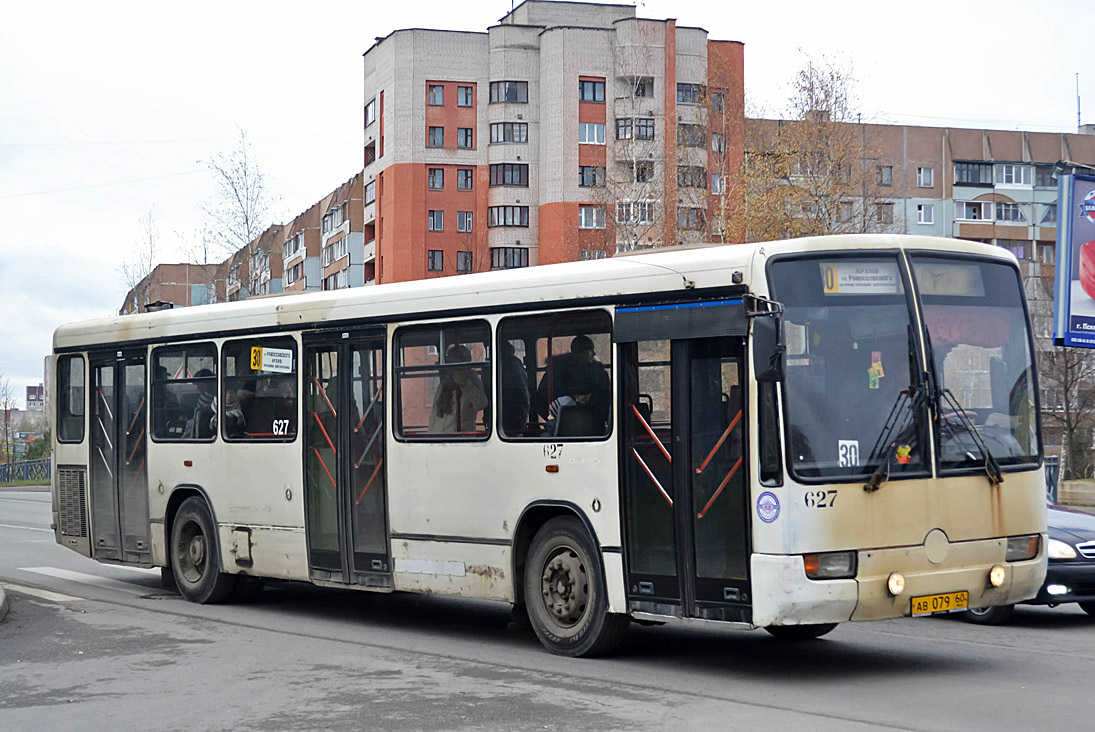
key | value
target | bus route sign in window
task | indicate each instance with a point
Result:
(260, 390)
(184, 392)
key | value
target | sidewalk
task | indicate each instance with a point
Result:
(4, 604)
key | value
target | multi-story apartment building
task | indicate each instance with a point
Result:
(264, 270)
(179, 284)
(342, 238)
(566, 131)
(301, 251)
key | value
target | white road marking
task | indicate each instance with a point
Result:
(41, 594)
(91, 579)
(24, 528)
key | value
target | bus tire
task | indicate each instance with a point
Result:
(565, 592)
(799, 632)
(195, 561)
(997, 615)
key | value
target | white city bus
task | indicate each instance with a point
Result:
(784, 435)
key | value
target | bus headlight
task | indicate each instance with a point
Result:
(1023, 547)
(830, 565)
(1060, 550)
(997, 575)
(895, 583)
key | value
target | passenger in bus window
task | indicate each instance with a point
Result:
(571, 415)
(564, 374)
(237, 403)
(460, 397)
(515, 394)
(203, 421)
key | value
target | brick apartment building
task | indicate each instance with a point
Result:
(179, 284)
(566, 131)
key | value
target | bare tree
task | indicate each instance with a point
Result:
(816, 170)
(140, 263)
(7, 419)
(240, 208)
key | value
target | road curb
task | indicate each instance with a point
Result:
(3, 605)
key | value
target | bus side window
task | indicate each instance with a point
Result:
(70, 399)
(184, 389)
(260, 390)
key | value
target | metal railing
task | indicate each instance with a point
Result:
(38, 470)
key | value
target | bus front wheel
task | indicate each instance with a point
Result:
(799, 632)
(194, 559)
(565, 592)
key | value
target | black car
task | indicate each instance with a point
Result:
(1070, 576)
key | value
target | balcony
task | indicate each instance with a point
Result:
(370, 250)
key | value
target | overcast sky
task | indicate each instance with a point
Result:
(109, 110)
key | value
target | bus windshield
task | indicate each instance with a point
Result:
(982, 355)
(851, 368)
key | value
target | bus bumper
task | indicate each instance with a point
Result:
(783, 595)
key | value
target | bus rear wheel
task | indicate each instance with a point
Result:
(799, 632)
(194, 558)
(565, 592)
(997, 615)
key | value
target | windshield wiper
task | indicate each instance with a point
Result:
(886, 446)
(992, 467)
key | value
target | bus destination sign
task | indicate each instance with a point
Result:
(859, 278)
(276, 360)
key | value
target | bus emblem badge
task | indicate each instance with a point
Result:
(767, 507)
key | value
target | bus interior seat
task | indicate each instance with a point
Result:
(576, 420)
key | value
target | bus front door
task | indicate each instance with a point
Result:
(119, 469)
(685, 478)
(344, 480)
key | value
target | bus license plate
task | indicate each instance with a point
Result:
(948, 602)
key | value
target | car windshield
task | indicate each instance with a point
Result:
(982, 355)
(850, 367)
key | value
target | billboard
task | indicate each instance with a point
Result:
(1074, 297)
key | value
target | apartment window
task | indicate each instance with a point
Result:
(623, 128)
(464, 95)
(591, 133)
(635, 212)
(464, 179)
(463, 221)
(718, 184)
(442, 381)
(509, 91)
(973, 173)
(465, 137)
(642, 172)
(260, 404)
(690, 218)
(585, 255)
(437, 95)
(718, 101)
(370, 112)
(973, 210)
(644, 86)
(1043, 176)
(846, 210)
(925, 177)
(509, 174)
(691, 135)
(509, 132)
(689, 93)
(436, 179)
(644, 128)
(1046, 253)
(292, 246)
(1049, 216)
(435, 221)
(925, 213)
(718, 143)
(507, 216)
(70, 399)
(691, 176)
(1018, 247)
(1013, 175)
(435, 260)
(184, 391)
(884, 213)
(589, 176)
(508, 257)
(591, 217)
(1009, 212)
(591, 91)
(294, 273)
(436, 137)
(370, 192)
(885, 175)
(463, 262)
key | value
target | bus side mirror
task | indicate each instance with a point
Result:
(768, 348)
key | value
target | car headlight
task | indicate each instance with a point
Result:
(1061, 550)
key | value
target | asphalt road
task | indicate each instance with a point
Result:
(93, 647)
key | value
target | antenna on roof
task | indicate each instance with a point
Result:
(1078, 123)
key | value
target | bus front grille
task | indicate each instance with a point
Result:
(71, 504)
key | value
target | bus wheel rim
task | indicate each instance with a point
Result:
(565, 587)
